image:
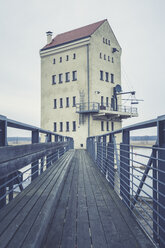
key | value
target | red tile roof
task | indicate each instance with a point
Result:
(73, 35)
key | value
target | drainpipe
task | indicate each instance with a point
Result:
(88, 88)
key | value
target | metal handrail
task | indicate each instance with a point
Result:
(139, 178)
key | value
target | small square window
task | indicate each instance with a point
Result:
(55, 126)
(67, 126)
(101, 75)
(74, 126)
(107, 77)
(67, 76)
(74, 74)
(55, 103)
(81, 145)
(107, 125)
(60, 78)
(61, 126)
(74, 101)
(67, 102)
(61, 103)
(53, 79)
(112, 78)
(102, 125)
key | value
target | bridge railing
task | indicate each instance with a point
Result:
(136, 173)
(21, 164)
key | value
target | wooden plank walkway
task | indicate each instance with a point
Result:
(90, 214)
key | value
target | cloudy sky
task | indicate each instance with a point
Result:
(139, 26)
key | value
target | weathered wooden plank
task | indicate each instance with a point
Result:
(35, 209)
(54, 232)
(20, 203)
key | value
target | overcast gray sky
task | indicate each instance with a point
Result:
(139, 26)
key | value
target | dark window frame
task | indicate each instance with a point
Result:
(60, 78)
(74, 101)
(61, 126)
(74, 75)
(55, 103)
(102, 125)
(67, 77)
(67, 102)
(53, 79)
(55, 127)
(61, 102)
(112, 78)
(101, 75)
(107, 77)
(74, 126)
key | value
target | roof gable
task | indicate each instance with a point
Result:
(73, 35)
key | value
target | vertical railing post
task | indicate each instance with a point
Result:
(125, 167)
(35, 164)
(104, 156)
(155, 195)
(3, 142)
(48, 158)
(161, 182)
(110, 161)
(98, 151)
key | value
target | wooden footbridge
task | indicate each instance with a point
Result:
(74, 198)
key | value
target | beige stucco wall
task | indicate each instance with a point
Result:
(49, 92)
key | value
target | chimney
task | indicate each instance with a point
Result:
(49, 36)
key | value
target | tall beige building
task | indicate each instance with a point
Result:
(80, 83)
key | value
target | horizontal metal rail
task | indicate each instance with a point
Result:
(136, 173)
(21, 164)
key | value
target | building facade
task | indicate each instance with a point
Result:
(81, 83)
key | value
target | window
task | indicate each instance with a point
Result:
(61, 103)
(112, 78)
(61, 126)
(74, 101)
(74, 56)
(112, 126)
(101, 75)
(74, 126)
(107, 125)
(107, 77)
(60, 59)
(55, 126)
(67, 102)
(112, 60)
(67, 57)
(60, 78)
(109, 42)
(108, 58)
(106, 41)
(104, 56)
(102, 100)
(67, 76)
(100, 56)
(54, 79)
(74, 74)
(55, 103)
(102, 125)
(107, 101)
(54, 61)
(67, 126)
(103, 40)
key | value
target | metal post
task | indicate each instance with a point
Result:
(104, 156)
(161, 182)
(110, 161)
(155, 196)
(35, 164)
(125, 167)
(48, 158)
(3, 142)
